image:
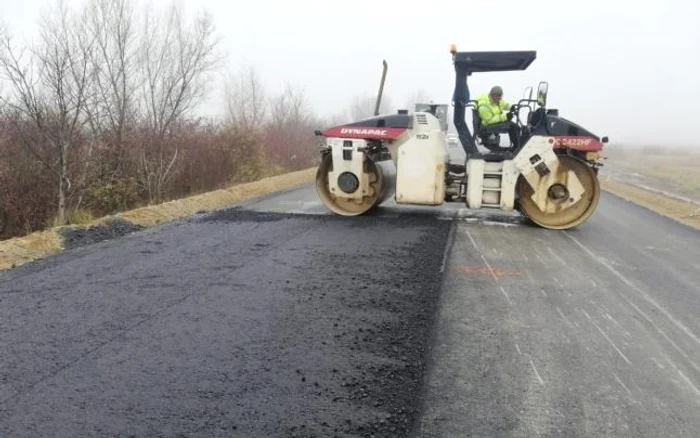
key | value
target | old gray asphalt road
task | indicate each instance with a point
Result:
(589, 332)
(280, 320)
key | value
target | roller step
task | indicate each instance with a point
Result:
(457, 168)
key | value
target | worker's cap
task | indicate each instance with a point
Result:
(496, 91)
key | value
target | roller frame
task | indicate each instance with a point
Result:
(496, 184)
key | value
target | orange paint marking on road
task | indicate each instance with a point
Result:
(484, 270)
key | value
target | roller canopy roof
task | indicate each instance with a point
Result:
(494, 61)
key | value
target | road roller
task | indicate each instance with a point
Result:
(548, 172)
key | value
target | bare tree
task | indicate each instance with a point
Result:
(49, 92)
(336, 119)
(289, 108)
(245, 100)
(363, 106)
(174, 61)
(419, 96)
(291, 126)
(111, 24)
(109, 106)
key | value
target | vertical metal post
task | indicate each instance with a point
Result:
(381, 89)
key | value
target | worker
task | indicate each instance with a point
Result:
(496, 114)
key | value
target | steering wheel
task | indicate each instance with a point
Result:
(524, 103)
(515, 111)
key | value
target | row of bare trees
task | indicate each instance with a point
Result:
(99, 115)
(94, 75)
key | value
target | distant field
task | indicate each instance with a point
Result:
(664, 180)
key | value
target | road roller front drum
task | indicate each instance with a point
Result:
(382, 184)
(557, 215)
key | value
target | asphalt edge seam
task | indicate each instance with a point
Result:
(429, 359)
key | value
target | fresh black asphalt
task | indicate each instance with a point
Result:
(233, 324)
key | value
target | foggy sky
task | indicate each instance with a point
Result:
(623, 69)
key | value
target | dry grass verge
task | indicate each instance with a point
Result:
(21, 250)
(148, 216)
(684, 212)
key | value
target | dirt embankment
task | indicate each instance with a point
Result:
(667, 183)
(681, 211)
(21, 250)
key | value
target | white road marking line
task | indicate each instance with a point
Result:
(518, 348)
(587, 315)
(675, 367)
(541, 260)
(543, 293)
(657, 363)
(646, 296)
(565, 318)
(536, 373)
(551, 251)
(606, 337)
(529, 276)
(625, 332)
(489, 266)
(506, 294)
(311, 205)
(621, 384)
(689, 382)
(499, 224)
(683, 353)
(472, 239)
(612, 343)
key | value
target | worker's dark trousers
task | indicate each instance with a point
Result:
(510, 127)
